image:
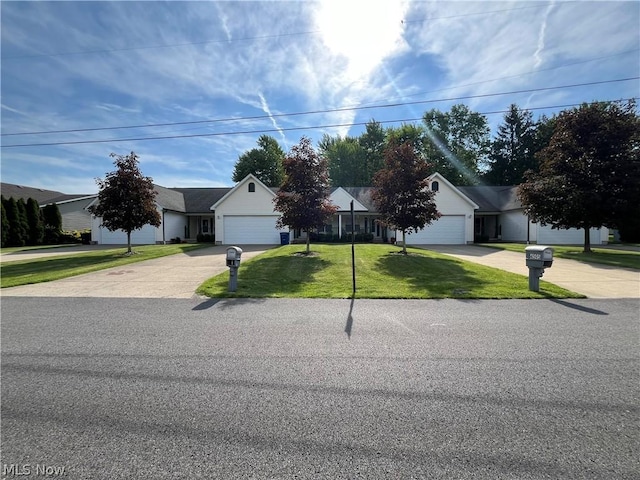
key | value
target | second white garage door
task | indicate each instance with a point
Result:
(447, 230)
(251, 230)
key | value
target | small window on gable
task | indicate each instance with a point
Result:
(252, 187)
(435, 186)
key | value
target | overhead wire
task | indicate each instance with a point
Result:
(266, 130)
(315, 112)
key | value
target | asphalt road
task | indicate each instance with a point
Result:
(158, 388)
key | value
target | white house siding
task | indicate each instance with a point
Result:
(174, 226)
(572, 236)
(239, 202)
(514, 226)
(74, 215)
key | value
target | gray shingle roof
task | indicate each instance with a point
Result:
(200, 200)
(40, 195)
(362, 195)
(170, 199)
(493, 199)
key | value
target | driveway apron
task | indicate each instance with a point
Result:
(173, 276)
(592, 280)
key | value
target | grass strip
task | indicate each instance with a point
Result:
(381, 272)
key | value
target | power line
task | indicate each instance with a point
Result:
(315, 112)
(270, 130)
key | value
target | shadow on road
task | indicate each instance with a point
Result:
(582, 308)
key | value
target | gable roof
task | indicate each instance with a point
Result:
(169, 199)
(246, 179)
(342, 199)
(436, 176)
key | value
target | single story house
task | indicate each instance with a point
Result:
(244, 215)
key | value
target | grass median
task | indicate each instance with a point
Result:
(604, 256)
(381, 272)
(23, 272)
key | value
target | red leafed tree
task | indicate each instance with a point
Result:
(126, 200)
(303, 199)
(402, 196)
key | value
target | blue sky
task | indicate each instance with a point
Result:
(91, 65)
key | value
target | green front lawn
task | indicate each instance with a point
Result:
(381, 272)
(23, 272)
(605, 256)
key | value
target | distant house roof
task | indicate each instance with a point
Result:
(362, 195)
(493, 199)
(199, 200)
(40, 195)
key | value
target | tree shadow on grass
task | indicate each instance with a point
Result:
(278, 276)
(428, 276)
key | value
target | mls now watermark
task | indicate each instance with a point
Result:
(27, 469)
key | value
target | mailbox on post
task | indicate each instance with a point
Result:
(233, 262)
(537, 258)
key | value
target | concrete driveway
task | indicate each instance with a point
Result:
(592, 280)
(174, 276)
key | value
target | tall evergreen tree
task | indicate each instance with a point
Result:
(5, 222)
(126, 198)
(34, 221)
(346, 161)
(22, 218)
(513, 149)
(17, 233)
(52, 221)
(303, 198)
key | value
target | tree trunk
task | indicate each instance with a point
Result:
(404, 242)
(587, 240)
(308, 241)
(128, 242)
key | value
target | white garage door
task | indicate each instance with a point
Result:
(145, 236)
(251, 230)
(447, 230)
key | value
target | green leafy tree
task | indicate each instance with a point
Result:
(303, 198)
(34, 221)
(513, 149)
(17, 233)
(373, 142)
(346, 161)
(590, 171)
(457, 143)
(5, 222)
(52, 221)
(265, 162)
(402, 196)
(126, 198)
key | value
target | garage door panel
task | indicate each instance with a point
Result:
(251, 230)
(447, 230)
